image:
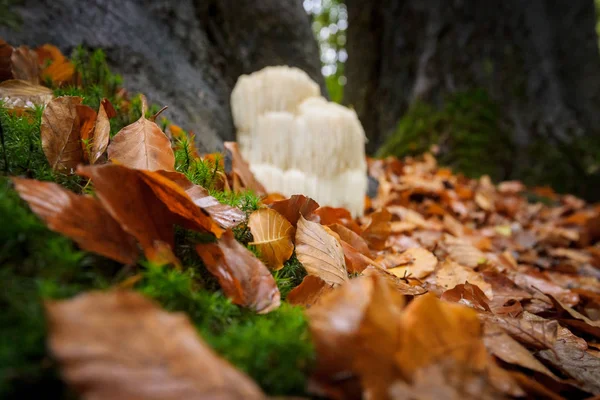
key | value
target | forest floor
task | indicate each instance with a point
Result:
(134, 267)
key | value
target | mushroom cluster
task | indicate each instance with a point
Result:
(296, 141)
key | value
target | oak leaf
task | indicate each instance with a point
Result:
(142, 145)
(16, 94)
(81, 218)
(120, 345)
(272, 235)
(320, 253)
(242, 276)
(61, 140)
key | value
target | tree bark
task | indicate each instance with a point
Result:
(186, 54)
(537, 58)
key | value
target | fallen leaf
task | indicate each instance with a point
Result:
(120, 345)
(142, 145)
(356, 262)
(320, 253)
(87, 122)
(272, 235)
(463, 252)
(22, 94)
(81, 218)
(378, 229)
(101, 134)
(294, 207)
(450, 274)
(242, 276)
(468, 295)
(241, 168)
(226, 216)
(61, 140)
(25, 65)
(575, 319)
(331, 215)
(538, 334)
(6, 51)
(399, 284)
(351, 238)
(420, 263)
(108, 107)
(59, 70)
(309, 291)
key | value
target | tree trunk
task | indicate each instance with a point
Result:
(537, 58)
(186, 54)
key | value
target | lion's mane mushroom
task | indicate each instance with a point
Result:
(298, 142)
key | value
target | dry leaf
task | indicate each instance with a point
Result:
(81, 218)
(539, 334)
(142, 145)
(243, 277)
(272, 235)
(61, 140)
(378, 229)
(399, 284)
(120, 345)
(575, 319)
(309, 291)
(25, 65)
(356, 262)
(60, 69)
(352, 238)
(6, 51)
(332, 215)
(469, 295)
(226, 216)
(450, 274)
(463, 252)
(420, 263)
(101, 134)
(320, 253)
(295, 206)
(16, 94)
(241, 168)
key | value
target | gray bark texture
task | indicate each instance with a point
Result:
(537, 58)
(186, 54)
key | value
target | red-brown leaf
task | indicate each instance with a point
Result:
(241, 168)
(378, 229)
(25, 65)
(294, 207)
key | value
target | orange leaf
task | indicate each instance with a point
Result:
(142, 145)
(271, 198)
(356, 262)
(6, 51)
(108, 107)
(309, 291)
(294, 207)
(25, 65)
(61, 140)
(224, 215)
(241, 168)
(87, 122)
(60, 69)
(352, 238)
(120, 345)
(378, 229)
(469, 295)
(242, 276)
(81, 218)
(101, 134)
(272, 235)
(421, 263)
(320, 253)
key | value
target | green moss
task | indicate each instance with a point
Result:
(467, 129)
(290, 276)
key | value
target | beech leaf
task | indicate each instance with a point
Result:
(320, 253)
(22, 94)
(309, 291)
(378, 229)
(295, 206)
(101, 134)
(61, 140)
(242, 276)
(142, 145)
(120, 345)
(272, 235)
(241, 169)
(25, 65)
(81, 218)
(420, 263)
(6, 51)
(352, 238)
(450, 274)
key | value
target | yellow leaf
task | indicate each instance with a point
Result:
(272, 237)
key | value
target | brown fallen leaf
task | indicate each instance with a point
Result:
(575, 319)
(25, 65)
(81, 218)
(463, 252)
(352, 238)
(58, 68)
(87, 122)
(309, 291)
(142, 145)
(242, 276)
(420, 263)
(226, 216)
(120, 345)
(399, 284)
(6, 51)
(16, 94)
(356, 262)
(241, 168)
(61, 140)
(450, 274)
(469, 295)
(331, 215)
(295, 206)
(101, 134)
(320, 253)
(378, 229)
(272, 235)
(538, 334)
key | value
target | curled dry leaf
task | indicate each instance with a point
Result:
(81, 218)
(295, 206)
(320, 253)
(242, 276)
(356, 262)
(378, 229)
(309, 291)
(226, 216)
(120, 345)
(241, 168)
(22, 94)
(332, 215)
(6, 51)
(101, 134)
(25, 65)
(420, 263)
(142, 145)
(575, 319)
(469, 295)
(272, 235)
(61, 140)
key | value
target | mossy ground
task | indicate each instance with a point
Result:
(37, 264)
